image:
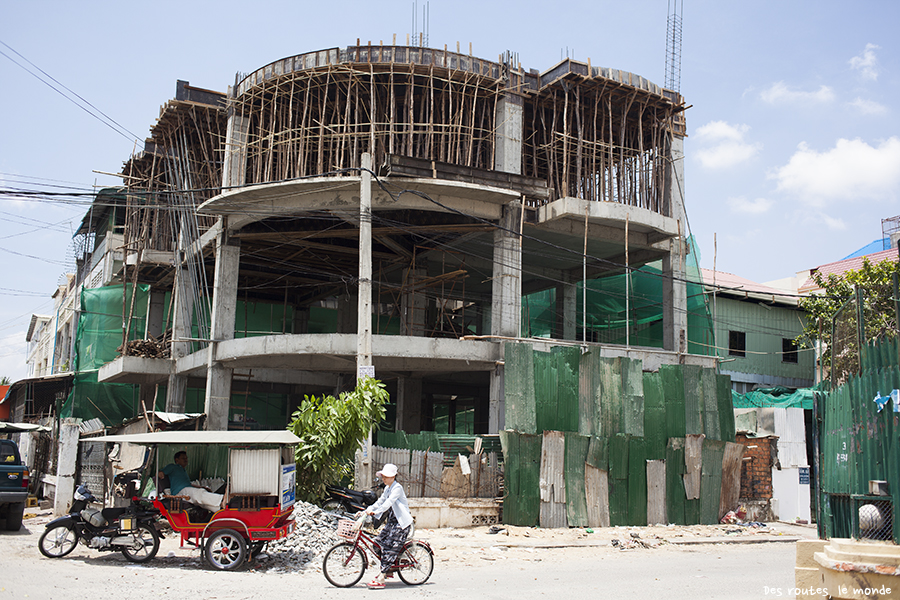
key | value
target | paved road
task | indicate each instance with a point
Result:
(733, 571)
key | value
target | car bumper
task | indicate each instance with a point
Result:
(11, 497)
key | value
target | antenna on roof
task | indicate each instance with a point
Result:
(673, 46)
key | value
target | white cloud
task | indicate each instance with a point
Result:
(832, 223)
(866, 63)
(868, 107)
(750, 207)
(780, 93)
(724, 145)
(852, 170)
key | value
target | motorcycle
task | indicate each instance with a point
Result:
(131, 529)
(347, 502)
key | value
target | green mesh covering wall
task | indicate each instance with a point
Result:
(606, 308)
(97, 340)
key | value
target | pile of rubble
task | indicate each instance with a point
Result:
(314, 534)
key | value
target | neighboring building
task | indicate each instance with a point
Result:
(809, 286)
(755, 330)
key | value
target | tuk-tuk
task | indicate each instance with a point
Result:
(258, 477)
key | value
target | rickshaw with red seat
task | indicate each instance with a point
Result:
(259, 475)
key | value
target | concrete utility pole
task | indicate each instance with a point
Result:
(364, 323)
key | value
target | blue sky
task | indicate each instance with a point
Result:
(793, 155)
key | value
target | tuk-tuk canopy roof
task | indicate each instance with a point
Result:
(280, 437)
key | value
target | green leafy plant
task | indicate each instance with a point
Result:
(330, 431)
(875, 280)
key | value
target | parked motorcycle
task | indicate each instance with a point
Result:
(130, 529)
(347, 502)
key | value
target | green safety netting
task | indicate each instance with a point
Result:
(776, 397)
(606, 308)
(99, 335)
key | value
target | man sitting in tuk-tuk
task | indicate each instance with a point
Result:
(180, 485)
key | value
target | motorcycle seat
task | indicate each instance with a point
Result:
(113, 513)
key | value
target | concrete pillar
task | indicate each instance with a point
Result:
(224, 306)
(674, 288)
(234, 169)
(156, 314)
(66, 462)
(566, 308)
(497, 405)
(506, 292)
(409, 404)
(509, 119)
(413, 304)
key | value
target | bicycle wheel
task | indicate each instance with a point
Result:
(344, 565)
(415, 564)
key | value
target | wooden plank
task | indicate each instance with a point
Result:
(596, 490)
(552, 483)
(693, 460)
(576, 501)
(656, 492)
(731, 477)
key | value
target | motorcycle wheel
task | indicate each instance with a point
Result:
(58, 541)
(225, 550)
(146, 544)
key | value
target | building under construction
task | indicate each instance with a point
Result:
(402, 208)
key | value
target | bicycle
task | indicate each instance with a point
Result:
(346, 562)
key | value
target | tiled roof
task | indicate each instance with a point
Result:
(734, 285)
(849, 264)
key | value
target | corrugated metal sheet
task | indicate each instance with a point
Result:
(255, 471)
(791, 432)
(672, 378)
(656, 492)
(710, 409)
(654, 417)
(596, 491)
(726, 408)
(711, 481)
(576, 500)
(693, 400)
(552, 482)
(589, 394)
(618, 479)
(518, 383)
(675, 492)
(632, 395)
(611, 401)
(522, 459)
(637, 481)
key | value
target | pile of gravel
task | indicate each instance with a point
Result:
(314, 533)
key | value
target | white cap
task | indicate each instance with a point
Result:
(388, 470)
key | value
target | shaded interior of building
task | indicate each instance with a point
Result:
(505, 205)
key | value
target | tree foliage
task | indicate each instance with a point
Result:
(330, 431)
(875, 280)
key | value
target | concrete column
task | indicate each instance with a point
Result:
(497, 405)
(409, 404)
(674, 288)
(234, 169)
(566, 308)
(509, 119)
(224, 306)
(506, 293)
(413, 304)
(156, 313)
(66, 462)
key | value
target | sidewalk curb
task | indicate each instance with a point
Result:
(608, 543)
